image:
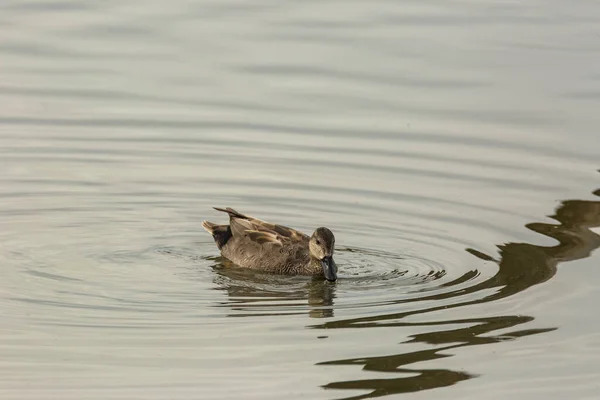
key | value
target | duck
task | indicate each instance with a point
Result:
(252, 243)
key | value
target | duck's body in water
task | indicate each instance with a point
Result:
(255, 244)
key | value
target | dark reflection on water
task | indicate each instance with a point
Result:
(429, 378)
(250, 293)
(521, 266)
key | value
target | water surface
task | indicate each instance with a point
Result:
(451, 147)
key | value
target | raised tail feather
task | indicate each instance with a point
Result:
(232, 213)
(220, 233)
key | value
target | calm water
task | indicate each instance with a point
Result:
(453, 148)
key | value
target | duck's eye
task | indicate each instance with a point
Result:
(318, 241)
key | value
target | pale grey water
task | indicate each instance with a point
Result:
(452, 147)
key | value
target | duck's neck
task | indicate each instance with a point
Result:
(315, 265)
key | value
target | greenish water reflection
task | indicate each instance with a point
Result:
(521, 265)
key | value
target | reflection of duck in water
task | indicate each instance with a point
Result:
(259, 245)
(256, 294)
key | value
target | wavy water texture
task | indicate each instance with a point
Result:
(399, 280)
(425, 135)
(521, 265)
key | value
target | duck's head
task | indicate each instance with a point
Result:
(321, 246)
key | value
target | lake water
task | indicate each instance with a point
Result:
(453, 148)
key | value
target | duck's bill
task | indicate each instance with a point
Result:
(329, 269)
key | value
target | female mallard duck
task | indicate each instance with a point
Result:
(252, 243)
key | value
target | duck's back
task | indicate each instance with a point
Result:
(256, 244)
(288, 258)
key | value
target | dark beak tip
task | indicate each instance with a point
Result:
(329, 269)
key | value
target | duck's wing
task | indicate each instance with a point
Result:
(260, 231)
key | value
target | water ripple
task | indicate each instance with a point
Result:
(431, 139)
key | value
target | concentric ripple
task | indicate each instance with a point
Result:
(367, 278)
(457, 168)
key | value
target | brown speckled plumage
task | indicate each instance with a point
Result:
(252, 243)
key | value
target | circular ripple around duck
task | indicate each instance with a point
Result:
(375, 268)
(367, 278)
